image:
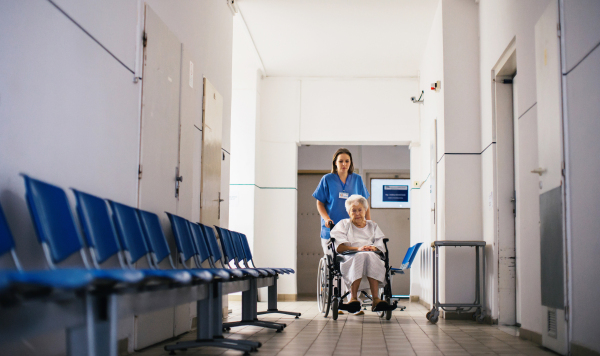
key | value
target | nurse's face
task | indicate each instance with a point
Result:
(343, 163)
(357, 213)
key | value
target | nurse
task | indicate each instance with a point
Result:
(333, 190)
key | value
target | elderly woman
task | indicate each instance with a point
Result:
(365, 268)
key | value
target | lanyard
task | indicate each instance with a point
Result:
(344, 184)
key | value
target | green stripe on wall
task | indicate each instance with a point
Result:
(266, 187)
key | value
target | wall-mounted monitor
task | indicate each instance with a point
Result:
(390, 193)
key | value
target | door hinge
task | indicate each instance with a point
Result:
(145, 39)
(140, 172)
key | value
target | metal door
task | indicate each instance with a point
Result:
(308, 242)
(211, 198)
(159, 144)
(550, 170)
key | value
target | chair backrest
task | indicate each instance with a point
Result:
(211, 241)
(155, 237)
(407, 256)
(130, 233)
(228, 251)
(199, 242)
(238, 245)
(246, 247)
(414, 253)
(99, 230)
(53, 220)
(7, 243)
(183, 237)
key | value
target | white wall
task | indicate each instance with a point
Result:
(391, 158)
(69, 112)
(451, 57)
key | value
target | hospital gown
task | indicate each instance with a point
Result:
(362, 264)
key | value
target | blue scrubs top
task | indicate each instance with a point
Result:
(328, 193)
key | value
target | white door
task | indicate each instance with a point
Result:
(550, 159)
(211, 198)
(159, 148)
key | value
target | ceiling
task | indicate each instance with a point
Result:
(339, 38)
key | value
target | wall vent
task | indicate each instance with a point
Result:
(552, 323)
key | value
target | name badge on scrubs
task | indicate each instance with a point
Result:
(344, 195)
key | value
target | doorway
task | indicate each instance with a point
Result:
(504, 81)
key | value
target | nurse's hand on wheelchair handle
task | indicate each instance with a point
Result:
(330, 224)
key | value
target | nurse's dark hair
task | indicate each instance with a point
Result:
(335, 156)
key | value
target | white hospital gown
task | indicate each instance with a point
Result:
(361, 264)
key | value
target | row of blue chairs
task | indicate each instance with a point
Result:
(87, 300)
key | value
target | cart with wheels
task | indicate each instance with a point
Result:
(477, 304)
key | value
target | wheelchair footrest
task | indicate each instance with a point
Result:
(350, 308)
(385, 307)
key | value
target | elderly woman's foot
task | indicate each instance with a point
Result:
(353, 305)
(379, 305)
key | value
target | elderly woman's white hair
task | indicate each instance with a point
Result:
(356, 199)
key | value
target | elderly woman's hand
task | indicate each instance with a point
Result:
(368, 248)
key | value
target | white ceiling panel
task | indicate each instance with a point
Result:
(339, 38)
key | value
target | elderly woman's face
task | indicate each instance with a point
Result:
(357, 212)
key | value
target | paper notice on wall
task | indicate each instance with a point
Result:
(191, 74)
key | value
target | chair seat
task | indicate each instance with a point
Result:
(4, 280)
(236, 272)
(202, 275)
(59, 278)
(183, 277)
(250, 271)
(119, 275)
(222, 273)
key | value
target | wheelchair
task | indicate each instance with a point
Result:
(329, 285)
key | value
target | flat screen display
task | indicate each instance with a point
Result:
(390, 193)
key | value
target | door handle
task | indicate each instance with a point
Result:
(539, 171)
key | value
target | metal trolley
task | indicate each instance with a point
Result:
(433, 314)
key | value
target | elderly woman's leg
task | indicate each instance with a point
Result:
(374, 284)
(354, 290)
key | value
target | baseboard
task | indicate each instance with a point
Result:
(287, 297)
(424, 303)
(123, 347)
(414, 298)
(578, 350)
(530, 336)
(280, 297)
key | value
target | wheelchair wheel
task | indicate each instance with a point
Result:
(334, 309)
(329, 295)
(388, 313)
(322, 285)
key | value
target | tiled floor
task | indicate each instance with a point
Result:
(407, 333)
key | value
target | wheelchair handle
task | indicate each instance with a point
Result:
(331, 225)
